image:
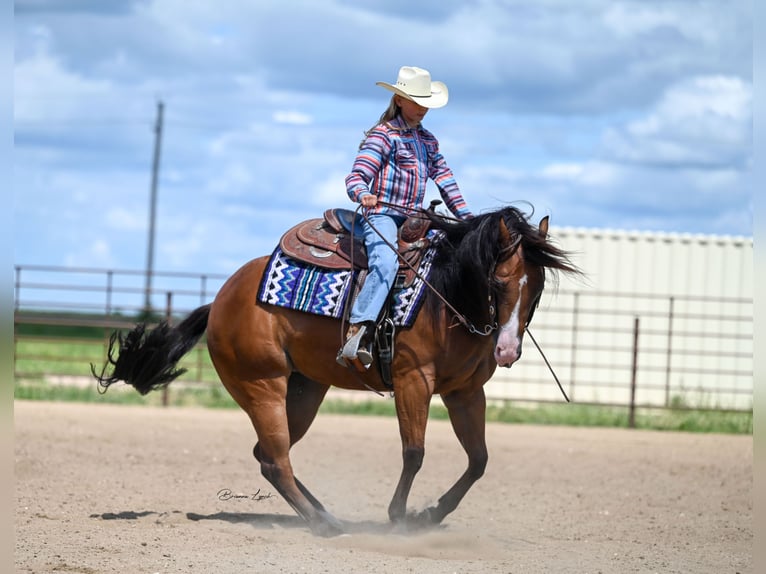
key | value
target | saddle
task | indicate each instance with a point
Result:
(327, 242)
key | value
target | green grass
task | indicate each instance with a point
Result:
(215, 396)
(74, 325)
(72, 357)
(211, 396)
(576, 415)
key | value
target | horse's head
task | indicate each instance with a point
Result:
(521, 282)
(498, 256)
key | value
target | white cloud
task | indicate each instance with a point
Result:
(636, 20)
(122, 219)
(44, 89)
(631, 19)
(698, 121)
(292, 117)
(591, 173)
(330, 191)
(95, 254)
(233, 178)
(262, 125)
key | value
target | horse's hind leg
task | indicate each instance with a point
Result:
(265, 401)
(412, 408)
(304, 397)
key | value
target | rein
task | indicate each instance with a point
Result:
(487, 329)
(555, 378)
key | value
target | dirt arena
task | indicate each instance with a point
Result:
(103, 488)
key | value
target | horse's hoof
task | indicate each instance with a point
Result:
(328, 526)
(327, 530)
(399, 527)
(426, 519)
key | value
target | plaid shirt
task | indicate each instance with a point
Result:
(395, 162)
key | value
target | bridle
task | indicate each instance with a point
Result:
(505, 253)
(460, 318)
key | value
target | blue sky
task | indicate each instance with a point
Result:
(631, 115)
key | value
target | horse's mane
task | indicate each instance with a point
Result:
(469, 250)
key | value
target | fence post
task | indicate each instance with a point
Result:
(168, 313)
(634, 369)
(17, 286)
(202, 297)
(109, 287)
(108, 308)
(573, 350)
(16, 306)
(669, 352)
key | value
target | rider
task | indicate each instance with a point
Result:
(393, 164)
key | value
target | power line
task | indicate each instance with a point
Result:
(88, 123)
(106, 122)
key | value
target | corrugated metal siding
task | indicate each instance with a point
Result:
(660, 263)
(693, 297)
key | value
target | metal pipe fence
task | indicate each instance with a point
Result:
(608, 348)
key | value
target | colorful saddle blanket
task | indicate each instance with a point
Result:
(296, 285)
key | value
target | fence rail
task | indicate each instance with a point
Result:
(608, 348)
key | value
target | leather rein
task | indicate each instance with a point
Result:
(490, 327)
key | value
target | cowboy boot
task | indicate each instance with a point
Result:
(353, 350)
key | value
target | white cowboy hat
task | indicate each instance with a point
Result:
(415, 84)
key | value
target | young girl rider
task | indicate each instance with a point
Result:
(393, 164)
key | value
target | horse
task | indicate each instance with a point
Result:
(486, 280)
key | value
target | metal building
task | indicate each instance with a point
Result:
(672, 312)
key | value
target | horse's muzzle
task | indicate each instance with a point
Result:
(507, 349)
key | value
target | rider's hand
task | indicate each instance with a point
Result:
(369, 200)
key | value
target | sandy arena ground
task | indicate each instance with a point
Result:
(103, 488)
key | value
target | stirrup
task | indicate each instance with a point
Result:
(353, 353)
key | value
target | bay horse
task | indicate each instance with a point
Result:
(278, 363)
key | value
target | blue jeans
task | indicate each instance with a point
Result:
(382, 264)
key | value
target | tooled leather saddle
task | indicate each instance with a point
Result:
(327, 242)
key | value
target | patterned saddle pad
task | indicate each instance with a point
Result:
(296, 285)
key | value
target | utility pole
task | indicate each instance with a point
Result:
(153, 208)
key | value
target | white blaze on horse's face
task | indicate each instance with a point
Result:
(524, 284)
(508, 347)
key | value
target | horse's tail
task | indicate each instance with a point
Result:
(147, 360)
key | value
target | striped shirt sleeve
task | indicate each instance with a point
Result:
(368, 163)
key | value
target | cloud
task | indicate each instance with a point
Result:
(292, 117)
(700, 121)
(122, 219)
(600, 113)
(72, 6)
(43, 69)
(98, 253)
(594, 174)
(550, 57)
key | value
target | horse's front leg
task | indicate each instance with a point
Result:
(467, 412)
(412, 402)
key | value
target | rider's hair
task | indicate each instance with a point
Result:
(391, 112)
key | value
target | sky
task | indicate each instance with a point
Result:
(633, 115)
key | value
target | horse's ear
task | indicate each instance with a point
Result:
(542, 229)
(505, 235)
